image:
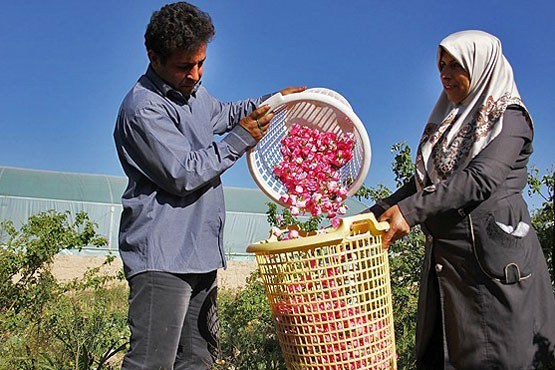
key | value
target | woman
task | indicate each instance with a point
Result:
(486, 301)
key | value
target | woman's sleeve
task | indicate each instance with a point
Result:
(408, 189)
(479, 180)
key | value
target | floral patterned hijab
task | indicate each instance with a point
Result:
(456, 133)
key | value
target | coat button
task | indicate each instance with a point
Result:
(439, 267)
(429, 238)
(462, 212)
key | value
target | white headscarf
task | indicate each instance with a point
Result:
(456, 133)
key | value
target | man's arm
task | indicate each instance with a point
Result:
(158, 150)
(228, 115)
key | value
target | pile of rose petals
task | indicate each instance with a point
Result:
(320, 320)
(310, 171)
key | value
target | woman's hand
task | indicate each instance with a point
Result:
(398, 226)
(257, 122)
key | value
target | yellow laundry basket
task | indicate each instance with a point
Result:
(330, 296)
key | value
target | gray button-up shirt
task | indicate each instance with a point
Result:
(173, 207)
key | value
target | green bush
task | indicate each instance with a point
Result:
(81, 324)
(46, 324)
(405, 266)
(248, 338)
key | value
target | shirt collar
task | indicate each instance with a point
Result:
(167, 90)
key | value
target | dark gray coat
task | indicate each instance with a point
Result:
(486, 300)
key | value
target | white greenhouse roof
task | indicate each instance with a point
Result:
(24, 192)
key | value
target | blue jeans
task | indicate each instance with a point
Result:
(173, 320)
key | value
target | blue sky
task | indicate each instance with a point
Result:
(66, 65)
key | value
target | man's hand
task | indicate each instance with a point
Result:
(292, 90)
(257, 122)
(398, 226)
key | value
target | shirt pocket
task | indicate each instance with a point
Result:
(500, 255)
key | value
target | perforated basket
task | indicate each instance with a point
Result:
(330, 296)
(319, 108)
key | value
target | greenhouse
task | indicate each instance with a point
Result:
(25, 192)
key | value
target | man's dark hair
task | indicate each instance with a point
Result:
(178, 26)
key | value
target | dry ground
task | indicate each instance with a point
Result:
(70, 267)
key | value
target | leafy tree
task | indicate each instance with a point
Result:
(543, 218)
(402, 166)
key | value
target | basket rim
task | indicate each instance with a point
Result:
(331, 235)
(278, 100)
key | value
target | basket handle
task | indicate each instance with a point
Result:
(376, 227)
(329, 235)
(274, 101)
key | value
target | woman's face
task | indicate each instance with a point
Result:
(455, 80)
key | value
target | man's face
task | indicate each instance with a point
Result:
(182, 70)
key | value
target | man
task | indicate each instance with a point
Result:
(173, 207)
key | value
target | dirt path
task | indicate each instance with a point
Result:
(70, 267)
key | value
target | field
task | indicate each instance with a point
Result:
(68, 267)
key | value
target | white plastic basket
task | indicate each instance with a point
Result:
(319, 108)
